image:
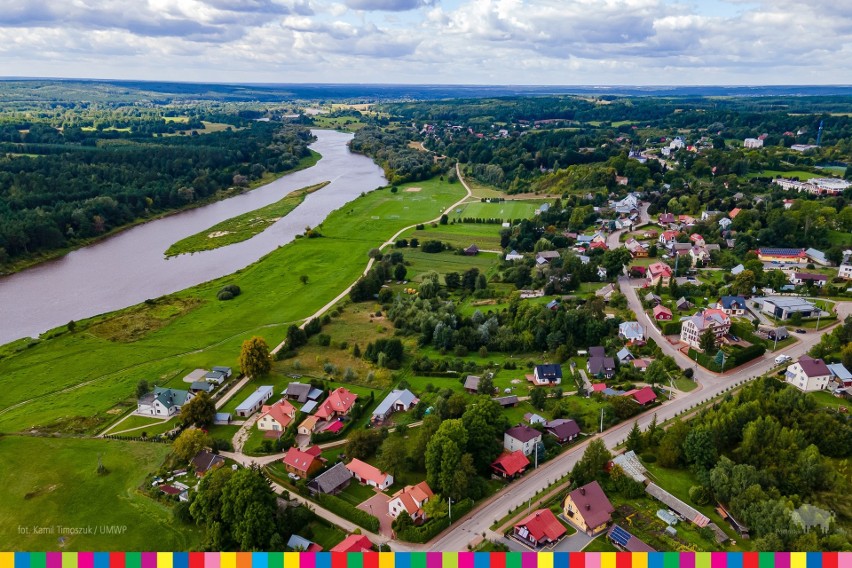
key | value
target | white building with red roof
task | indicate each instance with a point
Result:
(369, 475)
(411, 500)
(338, 403)
(540, 529)
(276, 417)
(659, 272)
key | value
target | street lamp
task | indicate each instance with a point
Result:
(450, 505)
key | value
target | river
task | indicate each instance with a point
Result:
(130, 267)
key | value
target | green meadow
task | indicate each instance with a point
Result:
(80, 381)
(56, 483)
(243, 227)
(484, 236)
(506, 210)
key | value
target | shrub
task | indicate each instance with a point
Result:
(649, 458)
(670, 327)
(324, 340)
(229, 292)
(431, 529)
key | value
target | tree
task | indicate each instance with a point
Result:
(634, 438)
(254, 357)
(399, 272)
(452, 280)
(249, 505)
(393, 454)
(444, 456)
(189, 443)
(296, 337)
(303, 279)
(486, 385)
(436, 507)
(591, 464)
(670, 452)
(142, 388)
(743, 283)
(656, 373)
(707, 341)
(485, 423)
(846, 356)
(200, 411)
(538, 397)
(699, 448)
(362, 444)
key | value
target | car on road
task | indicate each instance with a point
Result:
(782, 359)
(800, 330)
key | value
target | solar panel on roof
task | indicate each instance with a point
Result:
(619, 536)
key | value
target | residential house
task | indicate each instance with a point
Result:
(650, 234)
(606, 292)
(201, 386)
(563, 429)
(338, 403)
(697, 240)
(411, 500)
(738, 269)
(686, 220)
(513, 256)
(303, 463)
(218, 375)
(715, 320)
(659, 272)
(631, 331)
(354, 543)
(539, 529)
(510, 464)
(624, 355)
(643, 396)
(724, 223)
(507, 401)
(682, 304)
(547, 375)
(205, 461)
(803, 278)
(254, 401)
(163, 402)
(653, 299)
(734, 212)
(662, 313)
(732, 305)
(709, 214)
(588, 508)
(782, 255)
(808, 374)
(308, 426)
(752, 143)
(521, 437)
(534, 419)
(666, 219)
(840, 375)
(369, 475)
(302, 392)
(783, 307)
(301, 544)
(276, 417)
(332, 481)
(546, 256)
(599, 365)
(699, 255)
(642, 364)
(598, 245)
(845, 268)
(625, 541)
(396, 401)
(471, 384)
(637, 249)
(472, 250)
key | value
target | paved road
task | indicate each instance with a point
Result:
(710, 385)
(612, 241)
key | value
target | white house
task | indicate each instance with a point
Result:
(693, 327)
(753, 143)
(808, 374)
(276, 417)
(521, 437)
(396, 401)
(513, 256)
(631, 331)
(369, 475)
(411, 500)
(163, 402)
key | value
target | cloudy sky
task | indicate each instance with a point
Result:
(545, 42)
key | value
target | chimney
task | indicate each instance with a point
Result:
(588, 507)
(582, 490)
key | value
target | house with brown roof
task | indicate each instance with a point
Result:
(588, 508)
(303, 463)
(521, 437)
(539, 529)
(276, 417)
(563, 429)
(510, 464)
(308, 426)
(471, 384)
(338, 403)
(369, 475)
(808, 374)
(205, 461)
(411, 500)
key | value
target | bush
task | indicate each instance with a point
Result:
(649, 458)
(224, 296)
(324, 340)
(229, 292)
(431, 529)
(350, 513)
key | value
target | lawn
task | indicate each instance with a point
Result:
(40, 494)
(96, 374)
(479, 189)
(840, 238)
(356, 493)
(136, 422)
(505, 210)
(824, 398)
(243, 227)
(444, 262)
(600, 544)
(342, 123)
(325, 534)
(460, 235)
(801, 174)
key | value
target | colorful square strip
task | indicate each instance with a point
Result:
(425, 560)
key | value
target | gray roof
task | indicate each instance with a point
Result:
(331, 479)
(404, 397)
(298, 390)
(314, 393)
(737, 269)
(839, 371)
(201, 386)
(226, 370)
(299, 542)
(214, 375)
(678, 506)
(223, 417)
(816, 254)
(256, 397)
(472, 382)
(506, 400)
(790, 304)
(631, 465)
(309, 406)
(624, 353)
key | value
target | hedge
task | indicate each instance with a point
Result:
(431, 529)
(741, 356)
(670, 327)
(340, 507)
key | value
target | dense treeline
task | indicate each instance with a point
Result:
(767, 454)
(389, 149)
(56, 191)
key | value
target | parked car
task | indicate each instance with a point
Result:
(800, 330)
(293, 476)
(782, 359)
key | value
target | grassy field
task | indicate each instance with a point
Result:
(801, 174)
(243, 227)
(209, 127)
(139, 421)
(840, 238)
(600, 544)
(41, 494)
(506, 210)
(97, 373)
(342, 123)
(444, 262)
(484, 236)
(481, 190)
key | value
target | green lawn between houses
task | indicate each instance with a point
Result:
(96, 373)
(56, 483)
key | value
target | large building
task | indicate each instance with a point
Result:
(521, 437)
(752, 143)
(815, 186)
(783, 307)
(692, 329)
(797, 256)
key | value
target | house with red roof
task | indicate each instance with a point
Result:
(666, 219)
(734, 212)
(588, 508)
(276, 417)
(369, 475)
(598, 387)
(303, 463)
(510, 464)
(338, 403)
(659, 272)
(539, 529)
(661, 313)
(696, 239)
(668, 237)
(643, 396)
(354, 543)
(411, 500)
(598, 245)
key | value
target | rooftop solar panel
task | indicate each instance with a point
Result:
(619, 535)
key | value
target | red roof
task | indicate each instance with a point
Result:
(598, 387)
(314, 451)
(661, 310)
(340, 401)
(734, 212)
(543, 525)
(335, 427)
(598, 245)
(298, 459)
(170, 490)
(644, 395)
(282, 412)
(354, 543)
(366, 472)
(511, 463)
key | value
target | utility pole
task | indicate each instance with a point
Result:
(450, 505)
(602, 415)
(819, 314)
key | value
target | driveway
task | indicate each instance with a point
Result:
(377, 505)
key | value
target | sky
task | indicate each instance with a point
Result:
(522, 42)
